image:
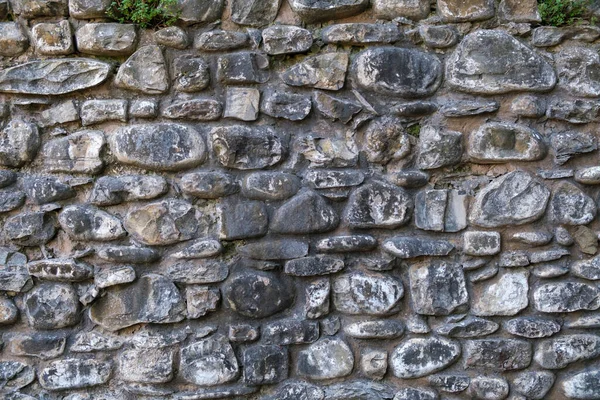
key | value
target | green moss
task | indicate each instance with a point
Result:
(414, 130)
(562, 12)
(144, 13)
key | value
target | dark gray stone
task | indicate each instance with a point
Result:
(560, 297)
(258, 294)
(307, 212)
(418, 357)
(75, 374)
(566, 145)
(275, 249)
(270, 185)
(314, 265)
(265, 365)
(398, 71)
(293, 107)
(439, 36)
(317, 295)
(209, 185)
(571, 206)
(242, 219)
(145, 71)
(191, 74)
(106, 39)
(201, 300)
(325, 71)
(370, 294)
(576, 68)
(19, 143)
(439, 148)
(377, 329)
(243, 67)
(470, 327)
(411, 247)
(441, 210)
(286, 39)
(44, 346)
(197, 272)
(11, 199)
(576, 111)
(450, 383)
(30, 228)
(201, 248)
(172, 36)
(336, 108)
(196, 11)
(254, 12)
(52, 306)
(60, 269)
(329, 152)
(195, 110)
(415, 394)
(497, 354)
(311, 11)
(325, 359)
(560, 352)
(220, 40)
(361, 33)
(85, 222)
(290, 331)
(499, 142)
(43, 189)
(467, 108)
(328, 179)
(297, 390)
(346, 244)
(534, 384)
(112, 190)
(242, 147)
(532, 327)
(488, 388)
(438, 288)
(128, 254)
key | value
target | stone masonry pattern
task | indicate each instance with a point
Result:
(299, 200)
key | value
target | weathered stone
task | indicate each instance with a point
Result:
(519, 11)
(9, 313)
(325, 71)
(438, 288)
(242, 219)
(472, 10)
(488, 388)
(414, 109)
(209, 185)
(560, 352)
(493, 62)
(202, 248)
(450, 383)
(497, 354)
(195, 272)
(378, 204)
(470, 327)
(571, 206)
(172, 36)
(528, 106)
(411, 247)
(499, 142)
(440, 210)
(336, 108)
(439, 148)
(121, 306)
(195, 110)
(220, 40)
(143, 108)
(76, 153)
(297, 390)
(13, 41)
(194, 11)
(325, 359)
(307, 212)
(293, 107)
(534, 384)
(418, 357)
(360, 389)
(377, 329)
(317, 295)
(286, 39)
(243, 68)
(53, 39)
(588, 176)
(583, 385)
(145, 71)
(386, 140)
(439, 36)
(551, 270)
(270, 186)
(191, 74)
(415, 394)
(369, 294)
(505, 295)
(84, 222)
(106, 39)
(398, 71)
(532, 238)
(242, 147)
(10, 200)
(74, 374)
(140, 365)
(111, 190)
(373, 363)
(548, 255)
(258, 294)
(290, 332)
(313, 265)
(346, 244)
(60, 269)
(209, 362)
(87, 9)
(310, 11)
(128, 254)
(329, 152)
(532, 327)
(7, 178)
(19, 143)
(328, 179)
(40, 345)
(559, 297)
(265, 364)
(43, 189)
(576, 71)
(275, 249)
(201, 300)
(52, 306)
(571, 143)
(512, 199)
(361, 33)
(61, 113)
(117, 275)
(481, 243)
(97, 111)
(16, 375)
(243, 333)
(254, 12)
(485, 273)
(30, 228)
(40, 8)
(574, 111)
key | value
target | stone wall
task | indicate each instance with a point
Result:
(313, 200)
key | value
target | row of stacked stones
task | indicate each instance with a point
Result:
(314, 200)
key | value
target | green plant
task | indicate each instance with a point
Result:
(414, 130)
(145, 13)
(562, 12)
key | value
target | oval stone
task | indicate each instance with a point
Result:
(419, 357)
(258, 295)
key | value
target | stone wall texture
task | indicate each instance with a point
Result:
(299, 200)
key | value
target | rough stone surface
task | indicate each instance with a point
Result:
(418, 357)
(438, 288)
(353, 294)
(501, 142)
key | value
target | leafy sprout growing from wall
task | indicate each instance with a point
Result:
(144, 13)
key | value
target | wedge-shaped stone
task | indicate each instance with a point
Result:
(438, 288)
(53, 77)
(315, 11)
(398, 71)
(418, 357)
(512, 199)
(370, 294)
(499, 142)
(145, 71)
(305, 213)
(161, 147)
(493, 62)
(151, 299)
(74, 373)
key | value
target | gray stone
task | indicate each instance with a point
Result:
(317, 295)
(106, 39)
(202, 248)
(172, 36)
(242, 147)
(467, 108)
(275, 249)
(242, 219)
(439, 148)
(290, 331)
(9, 313)
(220, 40)
(297, 390)
(97, 111)
(574, 111)
(441, 210)
(52, 306)
(488, 388)
(209, 185)
(583, 385)
(44, 346)
(347, 243)
(243, 333)
(336, 108)
(60, 269)
(361, 33)
(85, 222)
(121, 306)
(418, 357)
(532, 238)
(386, 140)
(469, 327)
(377, 329)
(270, 186)
(398, 71)
(413, 9)
(576, 71)
(329, 152)
(370, 294)
(328, 179)
(571, 206)
(534, 384)
(499, 142)
(164, 222)
(44, 189)
(528, 106)
(75, 374)
(242, 104)
(314, 265)
(191, 74)
(293, 107)
(265, 364)
(41, 77)
(532, 327)
(359, 390)
(128, 254)
(414, 109)
(481, 243)
(40, 8)
(438, 288)
(195, 11)
(254, 12)
(505, 295)
(87, 9)
(143, 108)
(497, 354)
(11, 199)
(560, 352)
(571, 143)
(519, 11)
(30, 228)
(162, 147)
(548, 255)
(13, 40)
(515, 198)
(53, 39)
(560, 297)
(111, 276)
(307, 212)
(373, 363)
(197, 272)
(463, 11)
(61, 113)
(450, 383)
(378, 204)
(415, 394)
(286, 39)
(16, 375)
(493, 62)
(439, 36)
(412, 247)
(243, 68)
(258, 294)
(195, 110)
(19, 143)
(111, 190)
(325, 359)
(145, 71)
(588, 176)
(7, 178)
(140, 365)
(325, 71)
(77, 153)
(586, 269)
(311, 11)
